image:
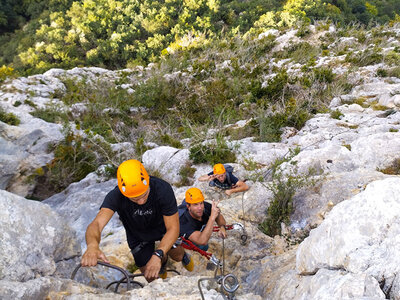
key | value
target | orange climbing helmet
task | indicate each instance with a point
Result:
(133, 180)
(194, 195)
(219, 169)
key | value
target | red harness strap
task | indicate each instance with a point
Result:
(190, 246)
(227, 227)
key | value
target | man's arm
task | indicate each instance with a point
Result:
(221, 223)
(202, 237)
(240, 186)
(206, 177)
(154, 264)
(93, 236)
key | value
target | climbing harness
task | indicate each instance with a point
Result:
(128, 277)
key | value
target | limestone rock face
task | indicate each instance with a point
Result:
(359, 236)
(80, 203)
(167, 161)
(327, 284)
(33, 238)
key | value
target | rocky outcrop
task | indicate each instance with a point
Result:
(167, 161)
(31, 247)
(359, 236)
(80, 203)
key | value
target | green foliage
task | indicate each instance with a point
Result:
(186, 172)
(6, 72)
(212, 153)
(73, 160)
(156, 94)
(9, 118)
(336, 114)
(116, 33)
(273, 90)
(365, 58)
(168, 140)
(393, 72)
(50, 114)
(283, 188)
(323, 75)
(103, 108)
(140, 147)
(293, 116)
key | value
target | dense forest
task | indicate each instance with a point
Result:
(36, 35)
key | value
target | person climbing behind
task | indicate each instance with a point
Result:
(223, 178)
(147, 208)
(197, 220)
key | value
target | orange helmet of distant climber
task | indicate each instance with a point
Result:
(194, 195)
(219, 169)
(133, 180)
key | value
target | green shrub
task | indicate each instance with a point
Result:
(6, 72)
(9, 118)
(336, 114)
(212, 153)
(140, 147)
(51, 115)
(73, 159)
(166, 139)
(365, 58)
(157, 94)
(271, 125)
(392, 58)
(283, 188)
(186, 172)
(382, 72)
(394, 72)
(323, 75)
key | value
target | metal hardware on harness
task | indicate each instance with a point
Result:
(215, 261)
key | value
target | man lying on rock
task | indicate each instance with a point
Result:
(147, 208)
(223, 178)
(197, 220)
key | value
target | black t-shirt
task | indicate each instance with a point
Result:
(188, 225)
(224, 185)
(144, 223)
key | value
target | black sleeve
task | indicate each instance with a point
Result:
(168, 200)
(111, 200)
(211, 173)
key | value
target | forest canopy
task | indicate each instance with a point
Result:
(36, 35)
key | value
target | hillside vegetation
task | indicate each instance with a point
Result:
(39, 35)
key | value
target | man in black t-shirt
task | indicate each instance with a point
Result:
(197, 221)
(146, 206)
(221, 178)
